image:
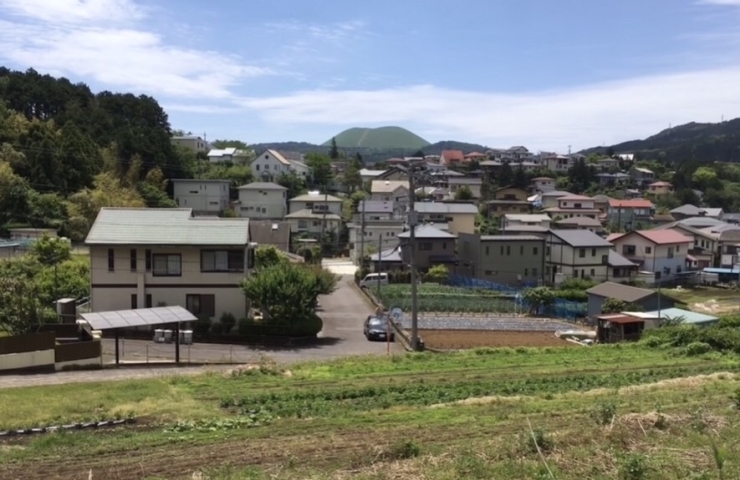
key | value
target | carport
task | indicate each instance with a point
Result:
(120, 319)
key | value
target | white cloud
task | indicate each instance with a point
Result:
(74, 11)
(74, 37)
(732, 3)
(582, 117)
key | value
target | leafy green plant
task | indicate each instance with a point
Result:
(227, 321)
(202, 326)
(604, 412)
(402, 450)
(529, 441)
(633, 467)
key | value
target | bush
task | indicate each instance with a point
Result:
(227, 321)
(633, 467)
(604, 413)
(579, 284)
(529, 441)
(399, 276)
(217, 328)
(572, 295)
(202, 326)
(361, 273)
(402, 450)
(697, 348)
(436, 274)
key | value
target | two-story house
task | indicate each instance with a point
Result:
(629, 214)
(203, 197)
(704, 252)
(433, 247)
(571, 206)
(368, 175)
(642, 176)
(580, 223)
(543, 184)
(451, 158)
(390, 191)
(191, 142)
(379, 222)
(314, 213)
(271, 164)
(454, 184)
(263, 200)
(455, 218)
(507, 259)
(576, 254)
(230, 154)
(606, 164)
(550, 199)
(513, 220)
(662, 252)
(557, 163)
(148, 257)
(508, 200)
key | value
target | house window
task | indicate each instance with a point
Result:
(201, 305)
(604, 259)
(487, 250)
(302, 224)
(222, 260)
(257, 167)
(148, 260)
(444, 245)
(581, 252)
(678, 248)
(502, 249)
(167, 265)
(534, 272)
(526, 272)
(508, 249)
(135, 301)
(547, 251)
(425, 246)
(111, 260)
(670, 252)
(657, 275)
(535, 251)
(575, 273)
(628, 249)
(521, 250)
(593, 272)
(593, 252)
(648, 250)
(488, 272)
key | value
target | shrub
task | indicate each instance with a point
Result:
(633, 467)
(202, 326)
(436, 274)
(697, 348)
(243, 326)
(227, 321)
(402, 450)
(217, 328)
(579, 284)
(529, 441)
(572, 295)
(361, 273)
(604, 413)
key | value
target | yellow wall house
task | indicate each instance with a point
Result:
(149, 257)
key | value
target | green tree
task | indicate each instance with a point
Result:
(613, 305)
(437, 274)
(238, 144)
(352, 177)
(268, 255)
(46, 210)
(334, 151)
(505, 175)
(21, 311)
(705, 178)
(51, 251)
(538, 297)
(464, 193)
(14, 195)
(295, 184)
(580, 176)
(520, 177)
(321, 171)
(286, 294)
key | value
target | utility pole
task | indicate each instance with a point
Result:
(412, 263)
(362, 234)
(380, 260)
(569, 149)
(323, 221)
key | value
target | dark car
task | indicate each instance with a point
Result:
(377, 329)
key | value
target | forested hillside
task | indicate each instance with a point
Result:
(65, 152)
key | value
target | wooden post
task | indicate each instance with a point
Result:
(177, 343)
(118, 354)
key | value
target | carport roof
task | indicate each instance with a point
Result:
(137, 318)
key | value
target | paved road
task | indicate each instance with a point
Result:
(343, 312)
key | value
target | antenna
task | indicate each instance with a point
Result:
(204, 137)
(569, 149)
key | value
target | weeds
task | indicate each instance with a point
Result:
(634, 467)
(255, 419)
(604, 413)
(401, 451)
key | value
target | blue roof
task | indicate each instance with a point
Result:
(689, 317)
(722, 270)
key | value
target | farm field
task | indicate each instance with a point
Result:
(710, 300)
(619, 411)
(461, 339)
(443, 298)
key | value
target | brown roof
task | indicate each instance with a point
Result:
(575, 197)
(269, 232)
(453, 155)
(475, 155)
(620, 319)
(662, 237)
(619, 291)
(636, 203)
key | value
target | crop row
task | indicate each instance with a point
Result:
(433, 288)
(326, 402)
(451, 303)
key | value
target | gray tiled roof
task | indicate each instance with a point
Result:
(270, 232)
(164, 226)
(262, 186)
(199, 180)
(315, 198)
(619, 292)
(581, 238)
(427, 231)
(440, 207)
(509, 238)
(616, 260)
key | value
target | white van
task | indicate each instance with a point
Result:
(371, 280)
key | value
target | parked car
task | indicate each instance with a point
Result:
(373, 279)
(376, 328)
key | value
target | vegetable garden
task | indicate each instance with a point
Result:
(443, 298)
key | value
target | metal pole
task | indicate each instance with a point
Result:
(362, 235)
(412, 263)
(118, 354)
(380, 260)
(177, 343)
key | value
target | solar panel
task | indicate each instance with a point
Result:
(137, 318)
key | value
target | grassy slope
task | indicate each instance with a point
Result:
(358, 418)
(379, 138)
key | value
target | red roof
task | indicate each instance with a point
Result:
(636, 203)
(614, 236)
(453, 155)
(659, 237)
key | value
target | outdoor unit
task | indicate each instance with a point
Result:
(159, 335)
(168, 336)
(186, 337)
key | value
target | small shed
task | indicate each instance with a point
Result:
(619, 327)
(647, 299)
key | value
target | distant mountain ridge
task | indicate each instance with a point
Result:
(692, 141)
(389, 138)
(372, 155)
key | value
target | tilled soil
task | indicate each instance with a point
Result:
(462, 339)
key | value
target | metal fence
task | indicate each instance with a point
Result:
(470, 282)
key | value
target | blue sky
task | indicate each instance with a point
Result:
(542, 73)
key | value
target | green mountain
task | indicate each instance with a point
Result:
(693, 141)
(385, 138)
